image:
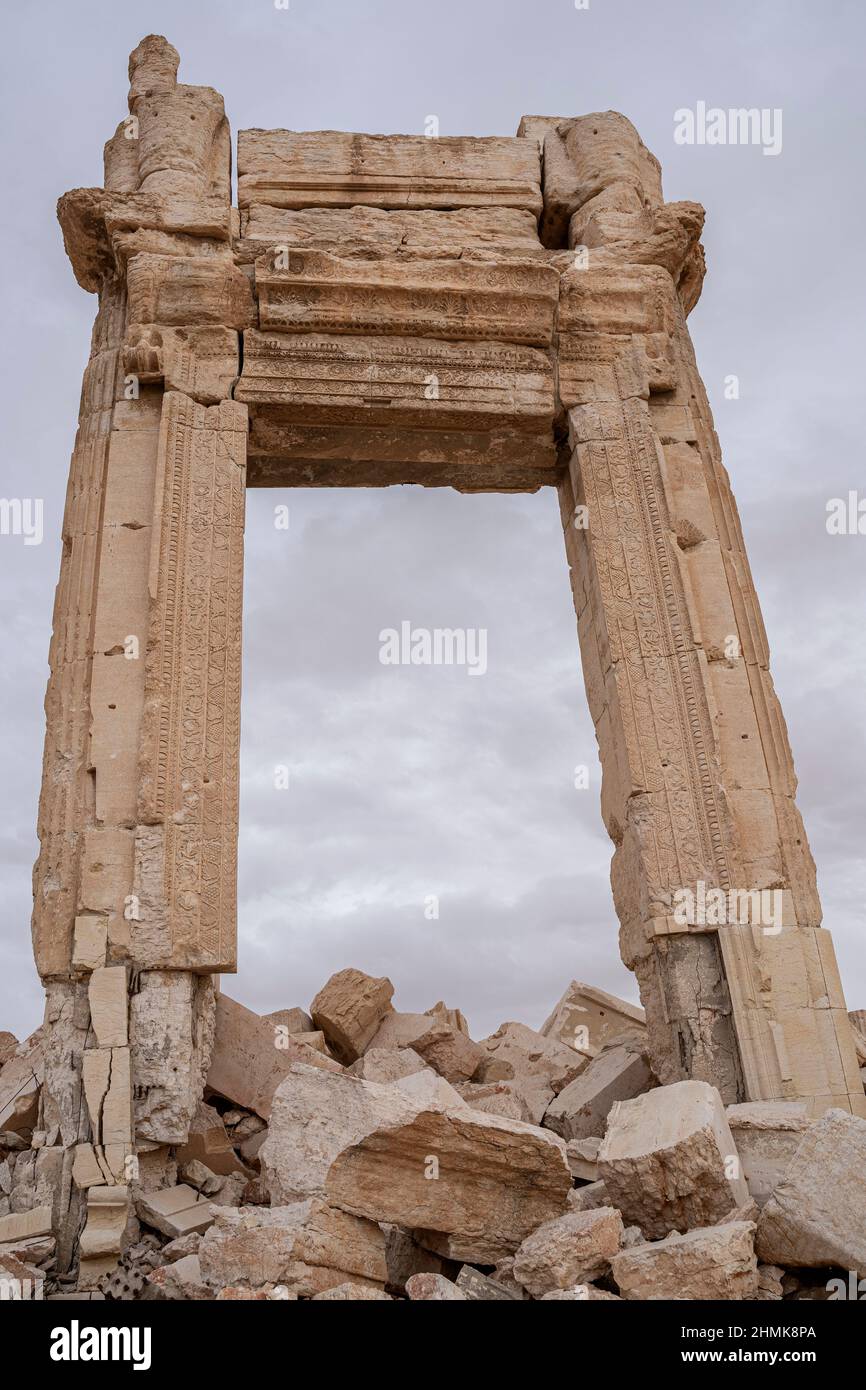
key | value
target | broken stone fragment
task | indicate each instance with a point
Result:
(715, 1262)
(479, 1288)
(669, 1162)
(588, 1197)
(817, 1213)
(171, 1022)
(251, 1057)
(412, 1154)
(769, 1282)
(108, 1005)
(20, 1083)
(767, 1134)
(620, 1072)
(507, 1098)
(583, 1158)
(574, 1249)
(181, 1279)
(386, 1064)
(293, 1020)
(176, 1211)
(209, 1142)
(448, 1050)
(306, 1246)
(24, 1225)
(433, 1288)
(587, 1018)
(353, 1293)
(405, 1257)
(348, 1010)
(8, 1047)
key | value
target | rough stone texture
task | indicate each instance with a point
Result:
(767, 1134)
(387, 1064)
(349, 1009)
(176, 1211)
(583, 1158)
(619, 1072)
(448, 1050)
(433, 1288)
(209, 1142)
(172, 1021)
(587, 1018)
(817, 1213)
(668, 1160)
(541, 1066)
(20, 1083)
(250, 1058)
(573, 1249)
(307, 1246)
(405, 1257)
(716, 1262)
(414, 1155)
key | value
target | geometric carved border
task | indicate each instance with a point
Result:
(186, 847)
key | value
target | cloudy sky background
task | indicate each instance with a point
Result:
(412, 781)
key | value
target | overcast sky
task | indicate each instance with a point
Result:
(414, 781)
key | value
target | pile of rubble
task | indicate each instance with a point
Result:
(357, 1152)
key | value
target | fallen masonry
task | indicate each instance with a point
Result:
(377, 1179)
(487, 314)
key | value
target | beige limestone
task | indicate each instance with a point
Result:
(414, 1155)
(433, 1288)
(307, 1246)
(448, 1050)
(208, 1141)
(573, 1249)
(386, 1064)
(716, 1262)
(176, 1211)
(586, 1018)
(767, 1134)
(250, 1057)
(619, 1072)
(348, 1010)
(817, 1212)
(669, 1162)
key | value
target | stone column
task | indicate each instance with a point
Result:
(135, 884)
(713, 880)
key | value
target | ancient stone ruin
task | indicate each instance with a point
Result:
(484, 314)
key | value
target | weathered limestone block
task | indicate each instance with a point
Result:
(588, 1197)
(250, 1057)
(172, 1022)
(368, 1149)
(716, 1262)
(348, 1010)
(183, 139)
(89, 943)
(185, 848)
(587, 1018)
(209, 1142)
(572, 1249)
(352, 1293)
(817, 1213)
(386, 1064)
(307, 1246)
(293, 1020)
(289, 169)
(433, 1288)
(405, 1257)
(188, 291)
(669, 1162)
(474, 295)
(359, 229)
(767, 1134)
(583, 1158)
(352, 411)
(200, 362)
(20, 1226)
(176, 1211)
(8, 1047)
(480, 1289)
(105, 1236)
(20, 1084)
(517, 1052)
(619, 1072)
(182, 1279)
(515, 1100)
(107, 1083)
(446, 1049)
(108, 1005)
